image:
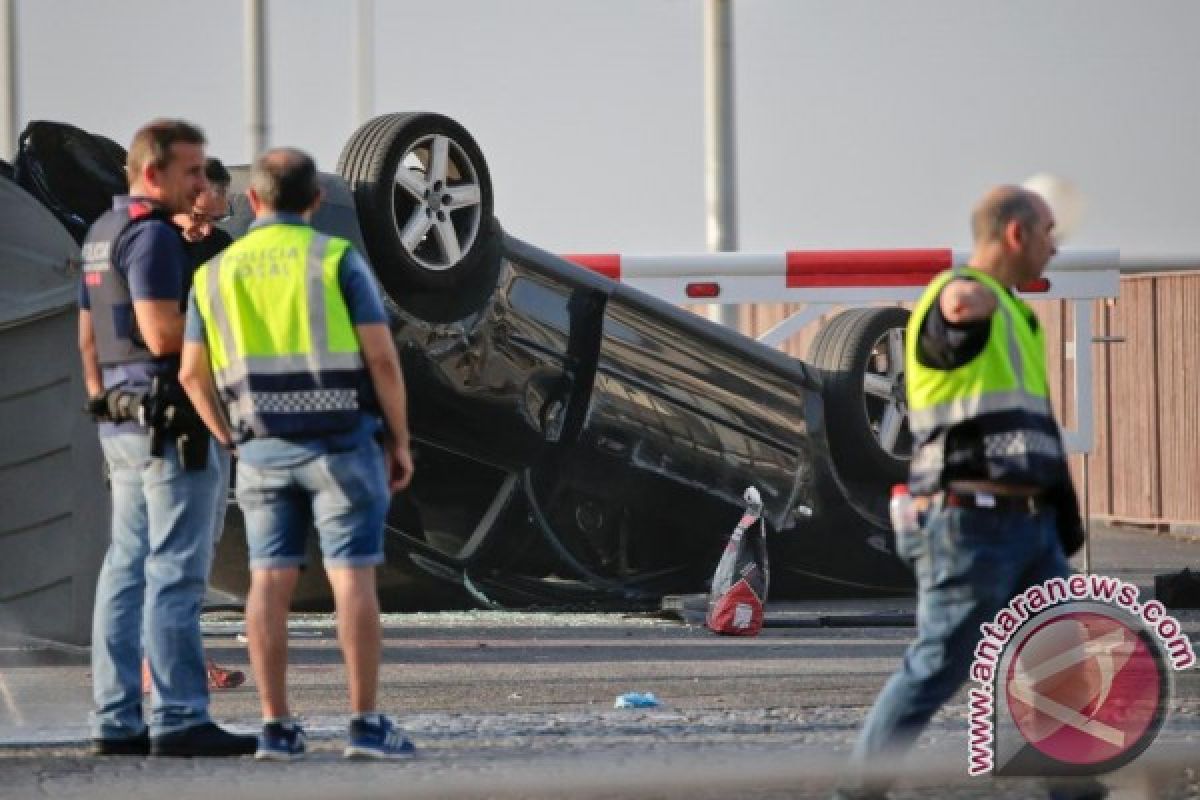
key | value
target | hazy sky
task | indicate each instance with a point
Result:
(860, 123)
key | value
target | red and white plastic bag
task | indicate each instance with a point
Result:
(739, 585)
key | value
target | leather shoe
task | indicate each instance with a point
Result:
(208, 739)
(131, 746)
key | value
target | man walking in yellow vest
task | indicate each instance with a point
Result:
(289, 361)
(989, 473)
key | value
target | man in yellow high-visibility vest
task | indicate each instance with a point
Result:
(989, 473)
(288, 359)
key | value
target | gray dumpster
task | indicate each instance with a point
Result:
(53, 501)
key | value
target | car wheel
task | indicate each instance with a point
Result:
(860, 354)
(424, 199)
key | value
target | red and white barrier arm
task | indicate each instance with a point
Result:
(831, 277)
(822, 279)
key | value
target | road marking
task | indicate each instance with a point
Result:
(6, 693)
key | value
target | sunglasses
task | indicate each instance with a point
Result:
(204, 215)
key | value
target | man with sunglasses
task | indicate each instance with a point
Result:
(202, 240)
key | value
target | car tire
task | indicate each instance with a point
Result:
(424, 200)
(860, 354)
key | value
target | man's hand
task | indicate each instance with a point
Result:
(196, 378)
(116, 405)
(97, 406)
(964, 300)
(399, 464)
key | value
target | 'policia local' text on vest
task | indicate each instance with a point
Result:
(996, 406)
(283, 349)
(118, 340)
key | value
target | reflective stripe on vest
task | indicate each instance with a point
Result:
(274, 313)
(1004, 445)
(1005, 376)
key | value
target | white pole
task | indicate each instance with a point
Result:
(720, 149)
(8, 100)
(1087, 517)
(1133, 263)
(255, 76)
(364, 63)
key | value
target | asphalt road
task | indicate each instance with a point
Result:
(520, 705)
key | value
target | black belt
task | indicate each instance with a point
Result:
(986, 501)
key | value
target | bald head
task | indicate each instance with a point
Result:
(1003, 205)
(1014, 235)
(285, 179)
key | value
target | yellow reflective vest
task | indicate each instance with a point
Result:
(284, 352)
(989, 418)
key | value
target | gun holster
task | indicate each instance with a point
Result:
(170, 416)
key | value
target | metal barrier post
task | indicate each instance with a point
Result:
(1087, 519)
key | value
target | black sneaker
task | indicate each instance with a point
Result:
(203, 740)
(131, 746)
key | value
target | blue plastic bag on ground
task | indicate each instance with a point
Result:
(637, 700)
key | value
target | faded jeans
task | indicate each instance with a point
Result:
(344, 495)
(969, 563)
(153, 580)
(221, 504)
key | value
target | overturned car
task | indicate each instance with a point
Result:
(579, 442)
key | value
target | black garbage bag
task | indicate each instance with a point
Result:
(73, 173)
(739, 586)
(1178, 589)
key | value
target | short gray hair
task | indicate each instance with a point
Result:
(285, 179)
(1001, 206)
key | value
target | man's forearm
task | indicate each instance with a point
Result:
(93, 380)
(204, 400)
(195, 376)
(160, 324)
(388, 381)
(965, 301)
(383, 365)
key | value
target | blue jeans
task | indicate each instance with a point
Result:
(969, 564)
(221, 504)
(153, 580)
(345, 495)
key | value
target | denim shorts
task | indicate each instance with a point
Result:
(344, 495)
